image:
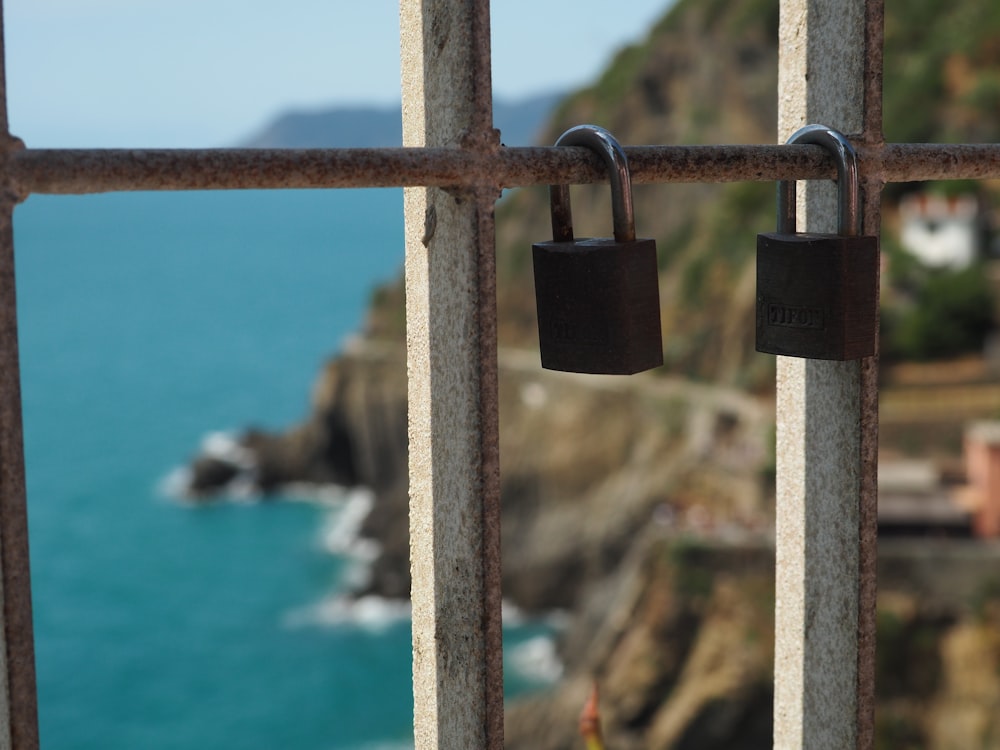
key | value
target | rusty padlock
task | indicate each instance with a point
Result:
(817, 294)
(598, 300)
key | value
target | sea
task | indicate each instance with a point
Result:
(151, 325)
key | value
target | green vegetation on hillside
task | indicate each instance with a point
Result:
(942, 71)
(943, 313)
(707, 73)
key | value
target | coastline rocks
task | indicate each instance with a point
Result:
(681, 649)
(643, 507)
(587, 463)
(681, 646)
(210, 474)
(354, 434)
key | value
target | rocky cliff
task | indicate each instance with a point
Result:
(682, 649)
(665, 451)
(655, 535)
(665, 90)
(643, 505)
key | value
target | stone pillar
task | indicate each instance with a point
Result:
(452, 391)
(826, 421)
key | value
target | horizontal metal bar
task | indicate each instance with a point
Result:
(88, 171)
(905, 162)
(71, 171)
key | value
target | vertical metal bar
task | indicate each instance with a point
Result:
(451, 363)
(871, 209)
(18, 698)
(824, 461)
(18, 701)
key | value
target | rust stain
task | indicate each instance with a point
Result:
(16, 590)
(69, 171)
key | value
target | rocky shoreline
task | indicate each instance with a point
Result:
(644, 506)
(667, 453)
(656, 539)
(599, 525)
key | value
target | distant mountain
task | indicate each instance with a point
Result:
(332, 128)
(520, 123)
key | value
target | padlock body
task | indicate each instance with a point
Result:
(598, 305)
(817, 295)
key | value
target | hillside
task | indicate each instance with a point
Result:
(666, 90)
(941, 61)
(644, 505)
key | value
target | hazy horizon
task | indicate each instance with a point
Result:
(204, 73)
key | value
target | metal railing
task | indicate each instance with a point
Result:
(453, 165)
(79, 171)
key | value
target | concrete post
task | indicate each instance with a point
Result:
(826, 428)
(451, 364)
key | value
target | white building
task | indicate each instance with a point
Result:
(941, 231)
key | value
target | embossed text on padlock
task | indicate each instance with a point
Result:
(817, 294)
(598, 300)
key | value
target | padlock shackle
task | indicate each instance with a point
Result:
(849, 214)
(600, 140)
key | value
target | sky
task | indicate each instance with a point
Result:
(210, 73)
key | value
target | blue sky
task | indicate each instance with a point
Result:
(202, 73)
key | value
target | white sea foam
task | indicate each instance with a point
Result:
(351, 505)
(325, 495)
(535, 659)
(374, 614)
(514, 616)
(342, 529)
(175, 484)
(224, 445)
(340, 535)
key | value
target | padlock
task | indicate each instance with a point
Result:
(817, 294)
(598, 300)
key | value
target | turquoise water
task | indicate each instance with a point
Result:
(149, 321)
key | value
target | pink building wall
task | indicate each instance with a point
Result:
(982, 460)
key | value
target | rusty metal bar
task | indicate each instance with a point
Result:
(18, 694)
(906, 162)
(89, 171)
(872, 184)
(17, 657)
(72, 171)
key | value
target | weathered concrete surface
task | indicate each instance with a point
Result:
(451, 366)
(818, 610)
